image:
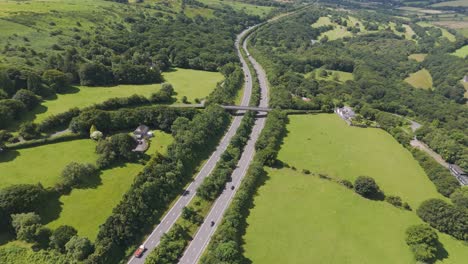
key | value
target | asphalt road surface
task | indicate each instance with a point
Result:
(171, 216)
(201, 239)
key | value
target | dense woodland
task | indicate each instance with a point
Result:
(132, 51)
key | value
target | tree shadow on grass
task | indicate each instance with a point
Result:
(51, 209)
(70, 90)
(441, 252)
(8, 155)
(6, 237)
(380, 196)
(28, 116)
(91, 182)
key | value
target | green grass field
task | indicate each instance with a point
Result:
(43, 163)
(301, 218)
(420, 79)
(419, 57)
(190, 83)
(86, 209)
(461, 52)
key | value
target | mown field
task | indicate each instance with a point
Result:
(420, 79)
(43, 163)
(86, 209)
(322, 221)
(190, 83)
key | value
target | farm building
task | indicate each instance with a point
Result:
(346, 113)
(142, 131)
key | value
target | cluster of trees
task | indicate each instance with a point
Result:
(64, 239)
(452, 145)
(214, 184)
(423, 241)
(158, 117)
(227, 90)
(159, 183)
(445, 217)
(226, 243)
(115, 148)
(444, 181)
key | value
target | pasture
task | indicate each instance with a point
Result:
(43, 163)
(326, 144)
(86, 209)
(420, 79)
(300, 218)
(332, 75)
(303, 219)
(461, 52)
(190, 83)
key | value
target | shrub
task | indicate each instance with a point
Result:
(26, 225)
(28, 98)
(394, 200)
(61, 236)
(28, 131)
(366, 186)
(306, 171)
(79, 247)
(460, 197)
(423, 241)
(75, 174)
(347, 183)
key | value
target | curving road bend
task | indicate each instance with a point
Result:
(205, 232)
(176, 210)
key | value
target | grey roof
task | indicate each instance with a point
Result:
(142, 129)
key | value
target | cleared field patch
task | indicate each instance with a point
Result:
(452, 3)
(408, 34)
(43, 163)
(419, 57)
(466, 89)
(323, 21)
(444, 31)
(461, 52)
(326, 144)
(247, 8)
(190, 83)
(86, 209)
(332, 75)
(302, 219)
(420, 79)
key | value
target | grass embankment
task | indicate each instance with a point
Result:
(301, 218)
(190, 83)
(86, 209)
(420, 79)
